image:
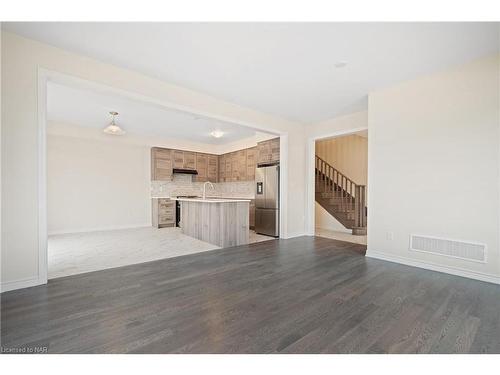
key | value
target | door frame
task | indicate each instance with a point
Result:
(310, 169)
(45, 76)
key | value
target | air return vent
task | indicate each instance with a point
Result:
(473, 251)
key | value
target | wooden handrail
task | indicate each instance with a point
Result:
(352, 197)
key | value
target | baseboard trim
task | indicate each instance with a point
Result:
(343, 230)
(7, 286)
(435, 267)
(99, 229)
(293, 235)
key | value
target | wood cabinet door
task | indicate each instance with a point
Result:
(178, 159)
(189, 160)
(213, 168)
(229, 166)
(161, 164)
(202, 167)
(242, 165)
(250, 164)
(264, 152)
(222, 168)
(275, 149)
(234, 166)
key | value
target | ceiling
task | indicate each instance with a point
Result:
(286, 69)
(91, 109)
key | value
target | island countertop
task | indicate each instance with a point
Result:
(212, 200)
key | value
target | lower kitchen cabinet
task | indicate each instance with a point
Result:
(163, 210)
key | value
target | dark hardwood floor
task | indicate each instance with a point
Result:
(303, 295)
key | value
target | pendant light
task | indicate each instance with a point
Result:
(112, 128)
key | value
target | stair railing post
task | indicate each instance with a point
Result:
(357, 216)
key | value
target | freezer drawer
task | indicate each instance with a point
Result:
(267, 221)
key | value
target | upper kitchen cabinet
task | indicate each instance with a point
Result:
(213, 168)
(268, 151)
(251, 162)
(189, 160)
(237, 165)
(178, 156)
(207, 166)
(234, 166)
(228, 168)
(202, 167)
(184, 159)
(241, 157)
(222, 168)
(161, 164)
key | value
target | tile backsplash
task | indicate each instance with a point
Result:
(183, 184)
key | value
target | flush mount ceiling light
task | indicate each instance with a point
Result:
(112, 128)
(340, 64)
(217, 133)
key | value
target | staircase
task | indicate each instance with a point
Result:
(341, 197)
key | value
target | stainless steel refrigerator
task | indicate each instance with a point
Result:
(267, 200)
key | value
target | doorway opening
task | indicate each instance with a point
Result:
(340, 187)
(99, 191)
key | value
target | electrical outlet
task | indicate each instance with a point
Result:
(390, 236)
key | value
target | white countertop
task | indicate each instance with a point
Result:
(211, 200)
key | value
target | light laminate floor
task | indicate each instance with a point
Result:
(71, 254)
(341, 236)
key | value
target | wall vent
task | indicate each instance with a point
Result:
(473, 251)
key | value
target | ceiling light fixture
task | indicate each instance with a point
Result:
(217, 133)
(112, 128)
(340, 64)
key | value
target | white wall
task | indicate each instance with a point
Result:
(348, 154)
(21, 59)
(323, 220)
(433, 169)
(100, 182)
(96, 185)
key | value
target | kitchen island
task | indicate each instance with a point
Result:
(221, 222)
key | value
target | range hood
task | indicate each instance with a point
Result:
(184, 171)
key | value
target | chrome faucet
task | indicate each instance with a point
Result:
(205, 188)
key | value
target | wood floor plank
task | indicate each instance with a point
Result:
(302, 295)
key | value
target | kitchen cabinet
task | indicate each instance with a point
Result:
(222, 168)
(233, 166)
(237, 166)
(228, 167)
(184, 159)
(161, 164)
(268, 151)
(163, 211)
(213, 168)
(178, 156)
(241, 157)
(250, 163)
(207, 166)
(189, 160)
(275, 150)
(202, 167)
